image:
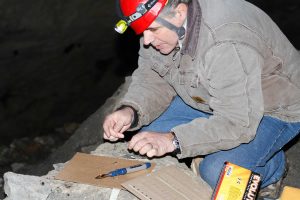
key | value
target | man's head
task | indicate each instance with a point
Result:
(164, 32)
(160, 21)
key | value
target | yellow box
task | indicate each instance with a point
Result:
(236, 183)
(290, 193)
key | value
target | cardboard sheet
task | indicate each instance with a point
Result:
(83, 168)
(169, 183)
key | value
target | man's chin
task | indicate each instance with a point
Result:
(165, 51)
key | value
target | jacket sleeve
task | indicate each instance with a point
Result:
(148, 93)
(233, 73)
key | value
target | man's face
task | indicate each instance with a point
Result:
(160, 37)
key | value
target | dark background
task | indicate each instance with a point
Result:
(60, 61)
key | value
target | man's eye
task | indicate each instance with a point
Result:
(153, 29)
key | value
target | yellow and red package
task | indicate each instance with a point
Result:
(236, 183)
(290, 193)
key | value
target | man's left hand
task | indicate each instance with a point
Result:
(152, 143)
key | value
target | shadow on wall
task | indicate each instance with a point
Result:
(127, 47)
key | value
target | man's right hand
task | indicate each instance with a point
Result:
(117, 122)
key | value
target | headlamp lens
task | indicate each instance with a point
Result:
(121, 26)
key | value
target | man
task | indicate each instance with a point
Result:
(215, 78)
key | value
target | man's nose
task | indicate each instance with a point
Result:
(148, 37)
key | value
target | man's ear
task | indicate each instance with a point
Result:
(181, 12)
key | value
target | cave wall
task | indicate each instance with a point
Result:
(286, 14)
(56, 61)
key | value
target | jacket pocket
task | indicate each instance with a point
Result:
(162, 70)
(195, 89)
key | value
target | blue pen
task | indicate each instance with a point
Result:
(125, 170)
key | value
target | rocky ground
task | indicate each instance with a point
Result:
(25, 152)
(86, 138)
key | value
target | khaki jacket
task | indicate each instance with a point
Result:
(235, 63)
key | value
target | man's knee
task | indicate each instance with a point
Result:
(210, 170)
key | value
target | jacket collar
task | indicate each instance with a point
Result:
(193, 29)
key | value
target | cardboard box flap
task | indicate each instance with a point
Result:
(83, 168)
(168, 183)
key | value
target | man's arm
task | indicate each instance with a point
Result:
(148, 93)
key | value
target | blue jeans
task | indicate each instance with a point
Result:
(262, 155)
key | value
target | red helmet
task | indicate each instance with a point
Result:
(129, 7)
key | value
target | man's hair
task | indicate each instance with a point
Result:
(168, 10)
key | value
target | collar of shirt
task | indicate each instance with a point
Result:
(180, 42)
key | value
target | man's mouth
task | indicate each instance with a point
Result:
(158, 46)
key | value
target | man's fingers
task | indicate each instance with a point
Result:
(140, 144)
(110, 133)
(105, 136)
(143, 146)
(152, 152)
(112, 138)
(134, 140)
(107, 128)
(144, 149)
(124, 128)
(115, 134)
(118, 126)
(116, 123)
(118, 129)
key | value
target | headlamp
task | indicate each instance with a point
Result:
(121, 26)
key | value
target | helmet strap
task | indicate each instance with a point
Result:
(180, 31)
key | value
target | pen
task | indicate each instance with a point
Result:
(125, 170)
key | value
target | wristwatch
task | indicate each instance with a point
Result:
(176, 144)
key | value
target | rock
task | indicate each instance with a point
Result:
(19, 186)
(17, 166)
(26, 187)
